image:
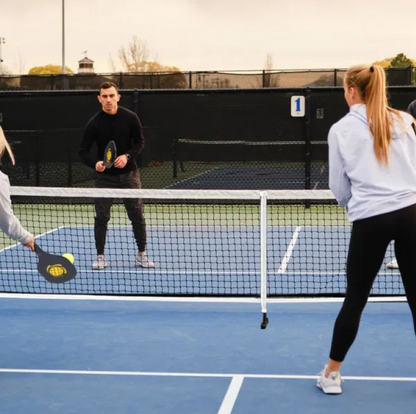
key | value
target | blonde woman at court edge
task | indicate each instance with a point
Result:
(372, 173)
(9, 223)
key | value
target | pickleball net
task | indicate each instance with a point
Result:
(221, 243)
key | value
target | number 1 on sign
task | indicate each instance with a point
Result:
(297, 106)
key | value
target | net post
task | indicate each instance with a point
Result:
(263, 258)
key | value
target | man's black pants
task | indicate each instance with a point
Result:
(134, 207)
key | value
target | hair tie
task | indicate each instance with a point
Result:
(371, 68)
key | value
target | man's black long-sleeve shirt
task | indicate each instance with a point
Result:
(412, 109)
(124, 128)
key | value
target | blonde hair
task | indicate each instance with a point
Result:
(4, 145)
(370, 83)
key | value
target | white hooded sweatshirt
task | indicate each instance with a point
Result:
(360, 183)
(9, 223)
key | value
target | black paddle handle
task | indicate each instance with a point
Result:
(38, 250)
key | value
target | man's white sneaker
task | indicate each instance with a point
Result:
(330, 385)
(144, 261)
(392, 265)
(100, 263)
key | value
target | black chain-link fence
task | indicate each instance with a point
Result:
(198, 80)
(195, 139)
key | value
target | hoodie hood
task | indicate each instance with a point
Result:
(399, 129)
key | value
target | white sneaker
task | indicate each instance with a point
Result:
(100, 263)
(144, 261)
(330, 385)
(392, 265)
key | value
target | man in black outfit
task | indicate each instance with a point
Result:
(411, 109)
(124, 128)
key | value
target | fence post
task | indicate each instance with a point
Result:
(70, 169)
(190, 80)
(174, 158)
(335, 77)
(264, 79)
(308, 139)
(139, 159)
(409, 75)
(136, 102)
(37, 161)
(52, 82)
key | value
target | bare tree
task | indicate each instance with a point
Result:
(135, 56)
(21, 64)
(268, 65)
(5, 70)
(270, 80)
(266, 79)
(150, 74)
(5, 81)
(113, 66)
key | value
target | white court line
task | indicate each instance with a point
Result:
(9, 247)
(191, 178)
(177, 226)
(153, 271)
(232, 394)
(190, 299)
(36, 237)
(289, 250)
(49, 232)
(204, 226)
(211, 272)
(194, 375)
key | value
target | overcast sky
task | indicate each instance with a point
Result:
(209, 34)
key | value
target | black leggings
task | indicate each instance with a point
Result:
(369, 240)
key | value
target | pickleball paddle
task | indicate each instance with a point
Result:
(55, 269)
(110, 154)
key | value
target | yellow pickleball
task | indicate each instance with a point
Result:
(69, 257)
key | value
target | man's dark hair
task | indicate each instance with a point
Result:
(108, 85)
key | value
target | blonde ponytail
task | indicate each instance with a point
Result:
(370, 82)
(4, 145)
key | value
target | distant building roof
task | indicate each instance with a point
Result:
(85, 60)
(85, 66)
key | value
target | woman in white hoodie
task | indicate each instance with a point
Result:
(372, 173)
(9, 223)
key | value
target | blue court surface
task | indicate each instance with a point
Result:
(255, 178)
(124, 356)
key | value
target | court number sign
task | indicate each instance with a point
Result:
(297, 106)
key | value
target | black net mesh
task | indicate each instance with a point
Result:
(202, 243)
